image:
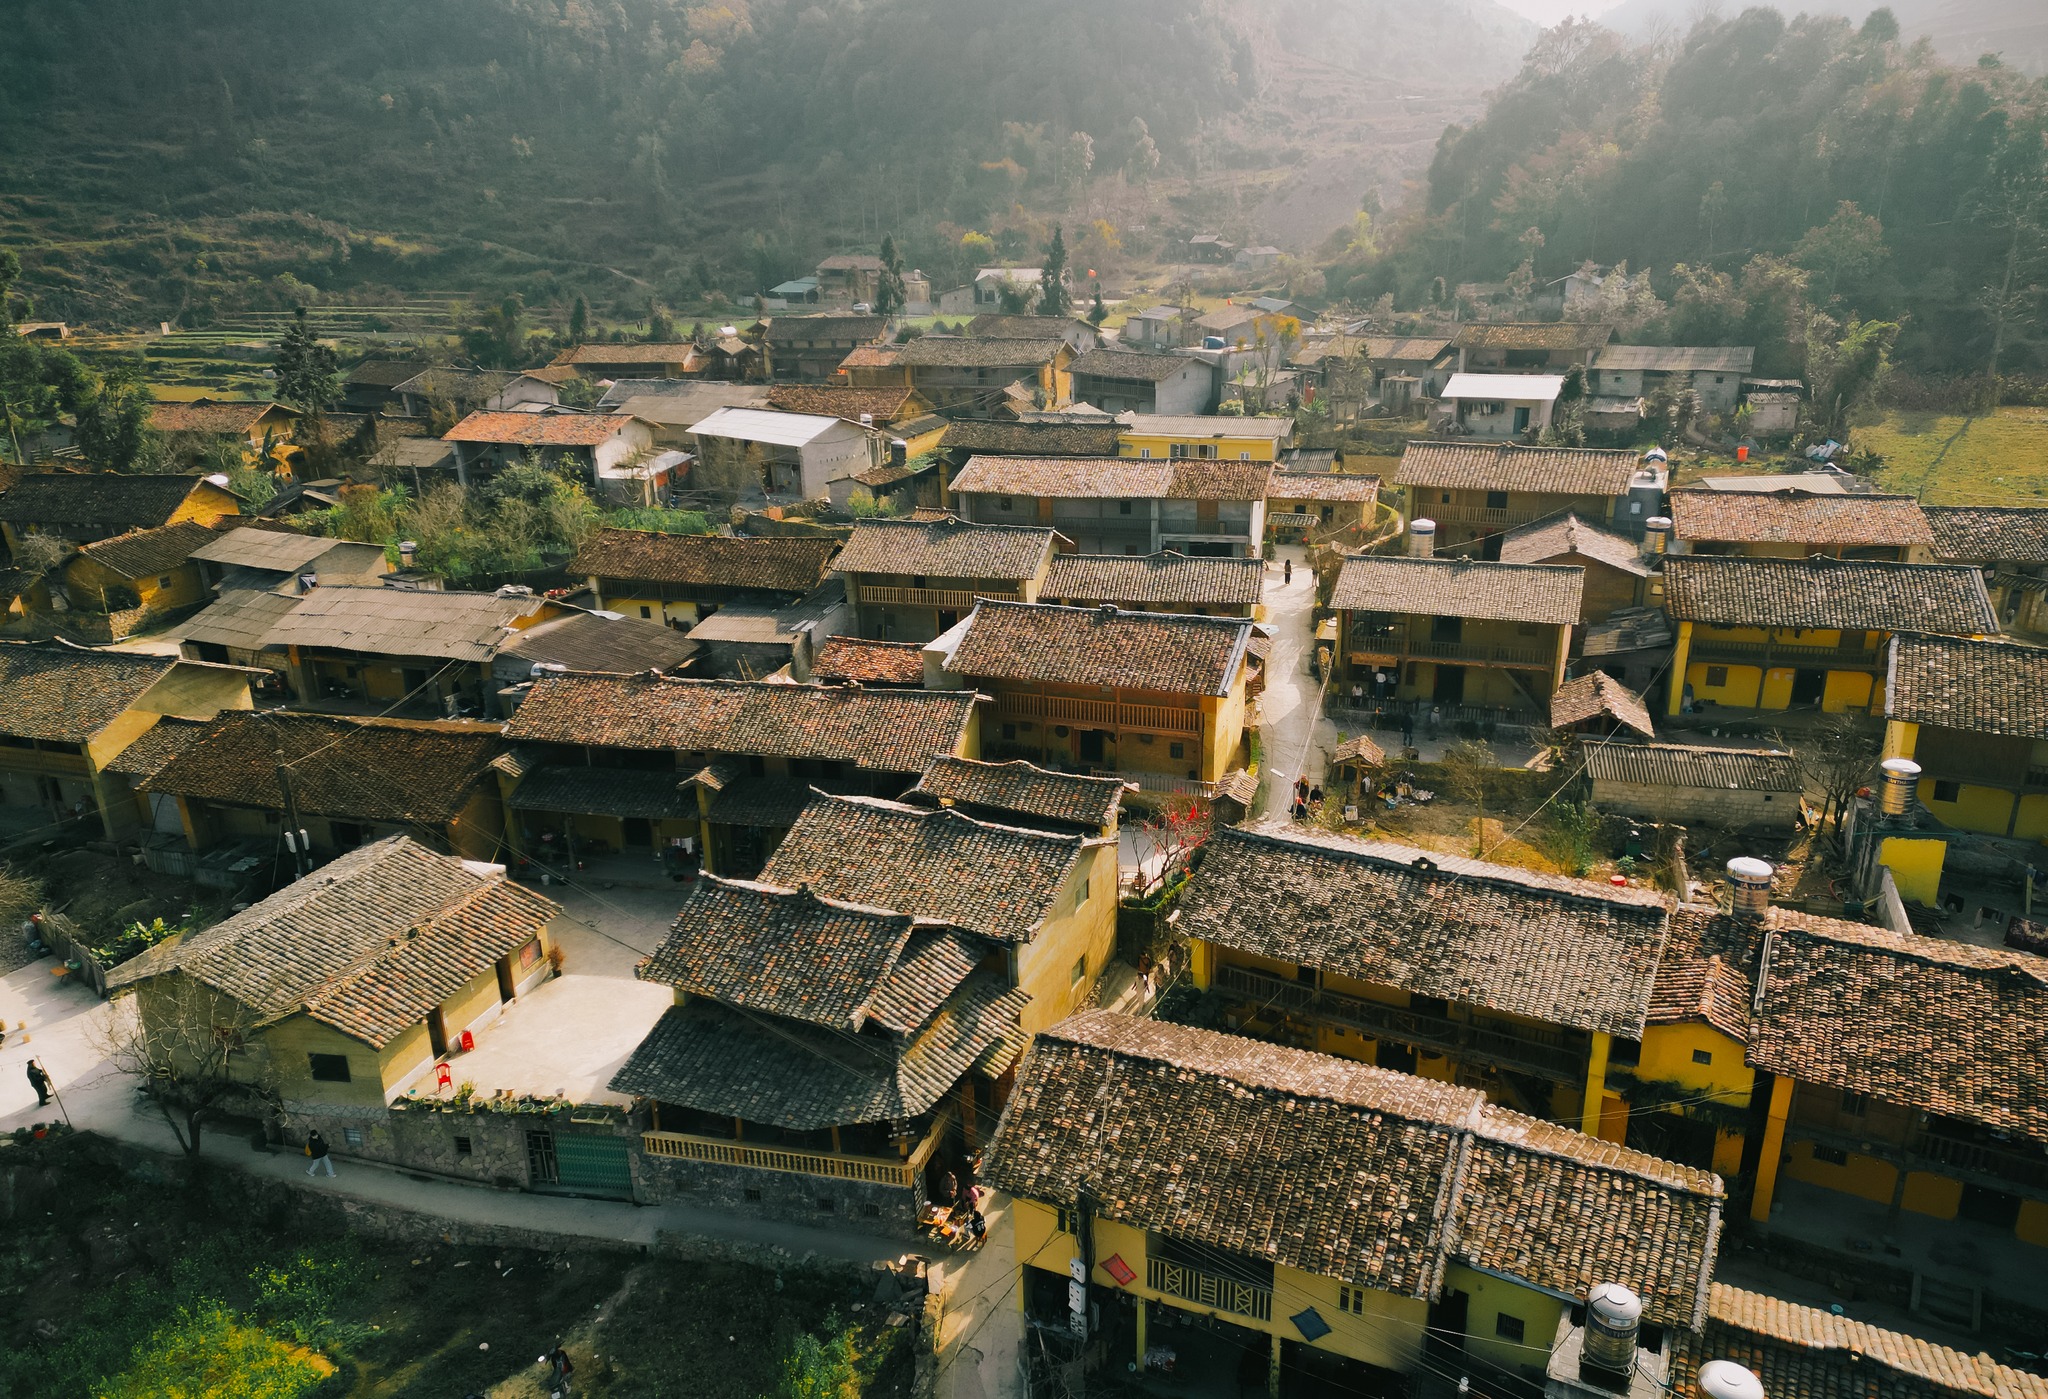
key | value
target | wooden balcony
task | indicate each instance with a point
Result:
(1556, 1055)
(1773, 653)
(1208, 1289)
(1098, 714)
(1480, 653)
(873, 1170)
(949, 599)
(1974, 1163)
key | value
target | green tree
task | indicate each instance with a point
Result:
(497, 338)
(1015, 298)
(308, 370)
(579, 322)
(113, 422)
(889, 291)
(661, 327)
(1053, 297)
(1098, 313)
(1845, 365)
(1847, 248)
(10, 273)
(815, 1368)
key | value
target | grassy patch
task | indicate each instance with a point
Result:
(207, 1354)
(1948, 459)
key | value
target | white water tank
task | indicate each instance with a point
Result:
(1749, 887)
(1724, 1379)
(1901, 776)
(1613, 1317)
(1421, 538)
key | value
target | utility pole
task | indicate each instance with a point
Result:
(294, 834)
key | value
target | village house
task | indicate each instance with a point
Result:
(872, 367)
(1017, 793)
(1617, 572)
(1123, 505)
(1402, 1211)
(1203, 437)
(1794, 525)
(1714, 372)
(844, 278)
(1263, 320)
(594, 643)
(756, 640)
(1784, 633)
(634, 360)
(1497, 406)
(114, 587)
(909, 580)
(1596, 705)
(972, 374)
(819, 1057)
(995, 437)
(616, 772)
(1160, 328)
(264, 430)
(1528, 347)
(1156, 698)
(467, 391)
(1437, 631)
(810, 349)
(882, 408)
(84, 506)
(1081, 336)
(680, 579)
(2009, 543)
(853, 660)
(1773, 405)
(371, 386)
(1330, 505)
(1126, 381)
(66, 713)
(1405, 368)
(791, 456)
(1163, 582)
(282, 561)
(1473, 490)
(1732, 789)
(1974, 716)
(673, 406)
(598, 447)
(351, 782)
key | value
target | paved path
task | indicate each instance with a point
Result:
(1293, 734)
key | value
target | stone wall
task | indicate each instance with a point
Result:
(433, 1141)
(1703, 806)
(857, 1206)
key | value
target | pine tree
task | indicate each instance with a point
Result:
(579, 321)
(889, 291)
(1053, 297)
(308, 372)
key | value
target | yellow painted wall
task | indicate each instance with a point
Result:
(1915, 866)
(207, 504)
(290, 1042)
(1161, 445)
(2033, 818)
(1863, 1176)
(1081, 929)
(1974, 809)
(1900, 738)
(635, 603)
(472, 1003)
(1932, 1194)
(1539, 1313)
(1847, 690)
(2032, 1227)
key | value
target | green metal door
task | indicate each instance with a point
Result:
(591, 1165)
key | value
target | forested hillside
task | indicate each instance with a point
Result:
(1755, 154)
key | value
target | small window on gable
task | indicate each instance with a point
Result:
(328, 1068)
(1123, 507)
(647, 612)
(1717, 676)
(1703, 1056)
(1508, 1328)
(1003, 503)
(1947, 791)
(1080, 970)
(164, 582)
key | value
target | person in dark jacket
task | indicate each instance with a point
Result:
(39, 1081)
(316, 1147)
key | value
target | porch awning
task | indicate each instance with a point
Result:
(589, 791)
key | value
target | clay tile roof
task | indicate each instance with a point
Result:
(1678, 359)
(704, 560)
(1444, 587)
(1507, 466)
(1796, 517)
(1194, 479)
(1989, 534)
(871, 357)
(1322, 485)
(885, 730)
(883, 405)
(651, 794)
(398, 622)
(1404, 347)
(1165, 578)
(1950, 1028)
(457, 385)
(1683, 765)
(1011, 327)
(947, 548)
(851, 658)
(368, 944)
(1705, 973)
(101, 499)
(1022, 788)
(215, 419)
(1001, 882)
(1566, 951)
(632, 353)
(1358, 750)
(1384, 1180)
(1804, 1352)
(1124, 478)
(161, 742)
(1161, 651)
(1555, 539)
(1131, 365)
(1033, 439)
(978, 352)
(785, 330)
(145, 553)
(1822, 592)
(1596, 695)
(539, 429)
(1990, 687)
(1532, 335)
(65, 694)
(394, 770)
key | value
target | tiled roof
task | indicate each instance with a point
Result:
(1555, 539)
(600, 644)
(101, 499)
(400, 622)
(1130, 365)
(1950, 1028)
(942, 866)
(539, 429)
(785, 330)
(1683, 765)
(1507, 466)
(704, 560)
(368, 944)
(1168, 577)
(382, 373)
(886, 730)
(1796, 517)
(948, 548)
(1408, 347)
(1532, 335)
(1678, 359)
(883, 405)
(1216, 427)
(1384, 1179)
(766, 800)
(1358, 749)
(1445, 587)
(1627, 629)
(1827, 593)
(1032, 439)
(1810, 1353)
(1988, 534)
(161, 742)
(457, 385)
(61, 693)
(851, 658)
(1022, 788)
(978, 352)
(1705, 973)
(1322, 485)
(1010, 327)
(653, 794)
(1565, 951)
(631, 353)
(1126, 478)
(1989, 687)
(145, 553)
(1160, 651)
(397, 770)
(233, 419)
(1594, 695)
(872, 357)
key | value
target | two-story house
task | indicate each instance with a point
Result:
(1528, 347)
(1128, 381)
(1779, 633)
(1156, 698)
(996, 325)
(1795, 524)
(1407, 1230)
(999, 437)
(1330, 506)
(1974, 716)
(809, 349)
(466, 391)
(1163, 582)
(680, 579)
(2008, 542)
(264, 431)
(114, 587)
(1208, 437)
(597, 446)
(1456, 631)
(634, 359)
(1616, 568)
(79, 507)
(971, 373)
(1017, 793)
(909, 580)
(1122, 505)
(790, 456)
(1714, 372)
(1476, 490)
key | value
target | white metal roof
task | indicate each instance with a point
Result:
(1541, 388)
(766, 425)
(1203, 425)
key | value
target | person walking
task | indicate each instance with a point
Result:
(1287, 571)
(560, 1368)
(40, 1081)
(316, 1147)
(1407, 729)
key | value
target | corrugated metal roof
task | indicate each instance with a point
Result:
(766, 425)
(1683, 765)
(1541, 387)
(397, 622)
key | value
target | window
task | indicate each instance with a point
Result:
(1009, 733)
(826, 1204)
(1855, 1104)
(1123, 507)
(1080, 970)
(1067, 1220)
(1083, 896)
(328, 1068)
(1244, 456)
(1703, 1056)
(647, 612)
(752, 1194)
(1351, 1299)
(1176, 750)
(1496, 500)
(1446, 499)
(871, 1210)
(1144, 453)
(1003, 503)
(1508, 1328)
(1947, 791)
(1830, 1155)
(352, 1136)
(164, 582)
(463, 1146)
(529, 954)
(1717, 675)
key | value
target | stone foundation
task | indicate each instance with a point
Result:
(856, 1206)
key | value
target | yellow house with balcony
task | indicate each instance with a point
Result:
(909, 580)
(1157, 698)
(1797, 525)
(1760, 633)
(1203, 437)
(680, 579)
(1974, 715)
(1475, 490)
(1406, 1227)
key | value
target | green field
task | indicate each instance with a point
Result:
(1989, 459)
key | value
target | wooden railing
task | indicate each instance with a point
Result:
(952, 599)
(1768, 653)
(1099, 714)
(1160, 782)
(1983, 1160)
(1481, 652)
(1208, 1289)
(718, 1151)
(42, 760)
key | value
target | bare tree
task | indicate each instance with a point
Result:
(192, 1050)
(1835, 759)
(1469, 768)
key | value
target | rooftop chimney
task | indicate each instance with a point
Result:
(1656, 535)
(1421, 538)
(1901, 776)
(1749, 887)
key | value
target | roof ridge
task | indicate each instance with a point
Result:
(928, 813)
